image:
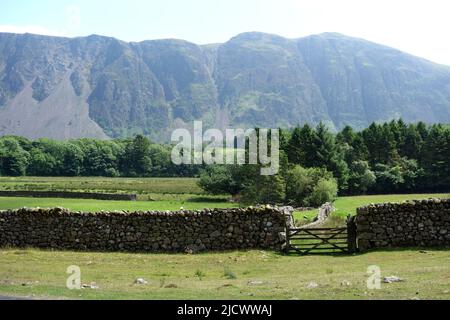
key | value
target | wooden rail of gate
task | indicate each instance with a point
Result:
(320, 240)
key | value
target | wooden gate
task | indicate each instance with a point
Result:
(320, 240)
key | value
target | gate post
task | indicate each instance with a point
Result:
(289, 224)
(287, 246)
(351, 234)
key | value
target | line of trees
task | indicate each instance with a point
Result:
(393, 157)
(316, 165)
(136, 157)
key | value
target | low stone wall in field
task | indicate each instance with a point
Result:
(69, 195)
(184, 231)
(423, 223)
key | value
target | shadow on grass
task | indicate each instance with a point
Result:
(207, 199)
(28, 250)
(423, 250)
(319, 254)
(418, 249)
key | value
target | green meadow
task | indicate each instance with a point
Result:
(259, 275)
(227, 275)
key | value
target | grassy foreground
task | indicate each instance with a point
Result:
(233, 275)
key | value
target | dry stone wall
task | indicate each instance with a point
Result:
(184, 231)
(423, 223)
(70, 195)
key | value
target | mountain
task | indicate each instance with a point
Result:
(102, 87)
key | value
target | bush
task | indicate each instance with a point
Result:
(219, 180)
(302, 183)
(299, 184)
(361, 178)
(325, 191)
(264, 190)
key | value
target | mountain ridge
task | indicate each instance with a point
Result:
(254, 79)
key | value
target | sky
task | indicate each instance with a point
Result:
(419, 27)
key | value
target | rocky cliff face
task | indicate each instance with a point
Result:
(102, 87)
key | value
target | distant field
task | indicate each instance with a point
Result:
(230, 275)
(347, 205)
(107, 185)
(153, 193)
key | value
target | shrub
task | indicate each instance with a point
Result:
(302, 183)
(218, 180)
(325, 191)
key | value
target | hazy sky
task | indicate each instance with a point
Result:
(420, 27)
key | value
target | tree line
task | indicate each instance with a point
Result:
(317, 165)
(392, 157)
(137, 157)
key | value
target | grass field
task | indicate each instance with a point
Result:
(165, 193)
(232, 275)
(176, 186)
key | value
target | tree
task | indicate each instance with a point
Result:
(398, 130)
(42, 163)
(401, 176)
(412, 175)
(352, 145)
(327, 154)
(389, 178)
(264, 190)
(219, 180)
(325, 191)
(435, 158)
(423, 130)
(136, 158)
(299, 149)
(412, 143)
(161, 161)
(100, 157)
(380, 143)
(301, 183)
(346, 136)
(13, 159)
(73, 160)
(285, 138)
(361, 178)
